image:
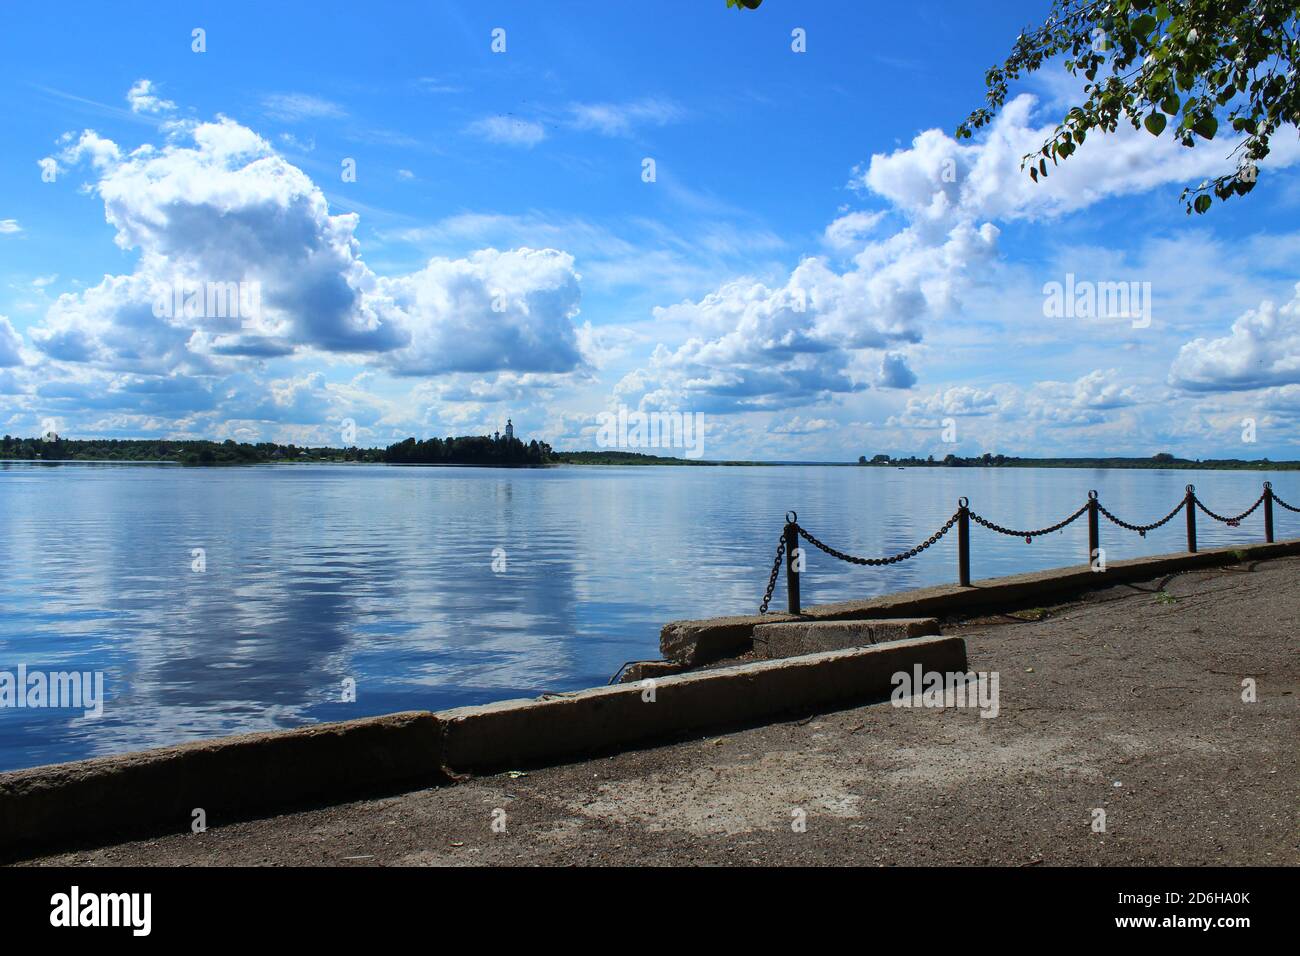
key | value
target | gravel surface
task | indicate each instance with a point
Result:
(1127, 701)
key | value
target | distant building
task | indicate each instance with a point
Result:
(510, 429)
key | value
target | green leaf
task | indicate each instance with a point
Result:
(1163, 65)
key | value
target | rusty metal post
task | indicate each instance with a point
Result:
(1268, 511)
(1191, 518)
(791, 572)
(1094, 530)
(963, 542)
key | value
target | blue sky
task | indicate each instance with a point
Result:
(816, 266)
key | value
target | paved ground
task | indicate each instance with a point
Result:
(1128, 701)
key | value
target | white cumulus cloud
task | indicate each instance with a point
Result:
(938, 178)
(1262, 349)
(217, 207)
(10, 344)
(144, 99)
(492, 311)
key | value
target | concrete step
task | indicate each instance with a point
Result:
(520, 733)
(699, 642)
(792, 639)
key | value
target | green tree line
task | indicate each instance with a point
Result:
(466, 450)
(1162, 460)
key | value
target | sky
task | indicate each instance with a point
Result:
(354, 223)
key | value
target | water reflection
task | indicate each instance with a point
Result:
(315, 575)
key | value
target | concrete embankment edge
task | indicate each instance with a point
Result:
(523, 732)
(236, 777)
(227, 778)
(702, 641)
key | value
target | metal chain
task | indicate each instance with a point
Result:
(1231, 521)
(878, 562)
(1027, 535)
(1284, 504)
(776, 569)
(1142, 529)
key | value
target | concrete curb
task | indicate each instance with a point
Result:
(774, 641)
(235, 777)
(703, 641)
(228, 777)
(516, 733)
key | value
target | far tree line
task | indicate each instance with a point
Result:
(465, 450)
(1162, 460)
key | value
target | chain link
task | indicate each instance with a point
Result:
(1142, 529)
(880, 562)
(1231, 521)
(776, 569)
(1284, 504)
(1027, 535)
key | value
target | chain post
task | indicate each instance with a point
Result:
(788, 546)
(1094, 530)
(963, 542)
(791, 570)
(1268, 511)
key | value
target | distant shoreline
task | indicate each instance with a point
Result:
(1157, 463)
(562, 461)
(508, 451)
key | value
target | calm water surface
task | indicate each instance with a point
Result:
(317, 574)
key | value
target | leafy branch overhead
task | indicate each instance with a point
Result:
(1166, 66)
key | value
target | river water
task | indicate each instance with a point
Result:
(222, 600)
